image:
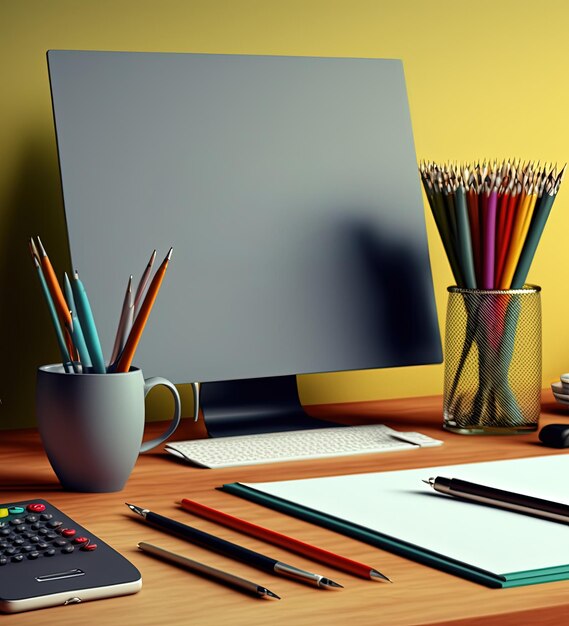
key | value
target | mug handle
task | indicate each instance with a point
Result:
(149, 384)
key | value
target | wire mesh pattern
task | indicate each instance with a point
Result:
(492, 360)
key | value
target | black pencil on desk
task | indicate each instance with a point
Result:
(232, 550)
(210, 572)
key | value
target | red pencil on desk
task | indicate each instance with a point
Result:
(278, 539)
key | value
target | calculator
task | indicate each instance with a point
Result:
(48, 559)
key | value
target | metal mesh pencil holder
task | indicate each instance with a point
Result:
(492, 361)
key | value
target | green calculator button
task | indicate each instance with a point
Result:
(15, 510)
(4, 513)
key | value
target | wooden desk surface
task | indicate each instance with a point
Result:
(418, 595)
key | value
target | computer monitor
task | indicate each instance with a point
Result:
(288, 188)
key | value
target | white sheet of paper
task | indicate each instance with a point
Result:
(400, 505)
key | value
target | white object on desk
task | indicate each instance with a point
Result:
(397, 505)
(297, 445)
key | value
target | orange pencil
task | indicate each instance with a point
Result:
(54, 288)
(125, 359)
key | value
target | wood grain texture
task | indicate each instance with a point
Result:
(418, 595)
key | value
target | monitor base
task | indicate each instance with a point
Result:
(253, 406)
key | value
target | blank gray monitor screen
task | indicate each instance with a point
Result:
(287, 186)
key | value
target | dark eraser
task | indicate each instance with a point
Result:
(555, 435)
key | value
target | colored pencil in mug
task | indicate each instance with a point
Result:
(125, 360)
(65, 358)
(85, 315)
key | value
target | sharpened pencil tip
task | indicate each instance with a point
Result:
(40, 244)
(375, 575)
(169, 255)
(267, 593)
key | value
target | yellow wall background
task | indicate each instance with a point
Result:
(484, 80)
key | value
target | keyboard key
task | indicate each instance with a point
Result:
(17, 558)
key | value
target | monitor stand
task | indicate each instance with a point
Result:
(253, 406)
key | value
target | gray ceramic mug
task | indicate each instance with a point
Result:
(91, 425)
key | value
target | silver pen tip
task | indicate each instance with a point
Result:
(429, 482)
(137, 509)
(375, 575)
(329, 584)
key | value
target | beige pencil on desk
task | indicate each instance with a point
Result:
(210, 572)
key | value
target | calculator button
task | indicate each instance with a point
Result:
(31, 519)
(33, 555)
(36, 507)
(16, 510)
(42, 545)
(89, 547)
(60, 542)
(3, 560)
(35, 526)
(17, 558)
(27, 534)
(68, 532)
(51, 535)
(49, 552)
(43, 531)
(4, 532)
(54, 524)
(19, 541)
(17, 521)
(80, 540)
(27, 548)
(10, 551)
(4, 513)
(67, 549)
(46, 516)
(34, 539)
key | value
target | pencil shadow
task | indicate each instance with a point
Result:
(33, 206)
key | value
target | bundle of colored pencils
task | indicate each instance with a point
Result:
(490, 217)
(74, 323)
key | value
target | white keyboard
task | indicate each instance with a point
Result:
(296, 445)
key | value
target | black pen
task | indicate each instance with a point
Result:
(232, 550)
(210, 572)
(499, 498)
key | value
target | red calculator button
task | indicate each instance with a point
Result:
(36, 507)
(81, 540)
(68, 532)
(89, 547)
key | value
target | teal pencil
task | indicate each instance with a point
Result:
(87, 320)
(53, 314)
(439, 214)
(76, 330)
(530, 245)
(464, 239)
